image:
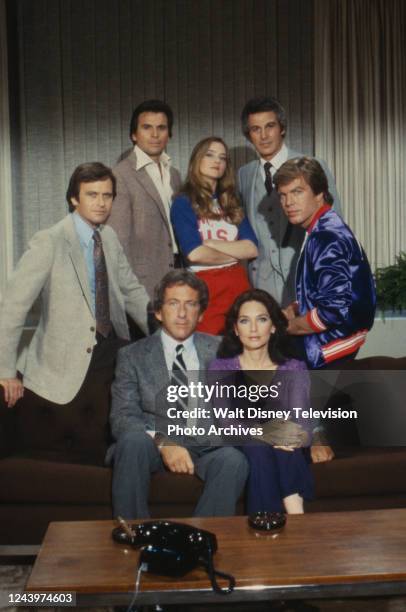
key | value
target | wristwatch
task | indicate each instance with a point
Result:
(159, 439)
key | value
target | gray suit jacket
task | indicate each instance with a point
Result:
(139, 218)
(54, 268)
(139, 390)
(275, 267)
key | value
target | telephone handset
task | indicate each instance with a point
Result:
(173, 549)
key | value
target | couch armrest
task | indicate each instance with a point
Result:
(8, 422)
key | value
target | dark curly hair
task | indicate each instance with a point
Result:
(281, 346)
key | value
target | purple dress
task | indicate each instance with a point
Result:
(276, 473)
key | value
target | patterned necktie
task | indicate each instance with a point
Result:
(103, 323)
(179, 372)
(268, 178)
(180, 377)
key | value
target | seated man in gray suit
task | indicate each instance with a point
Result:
(85, 284)
(143, 371)
(145, 185)
(264, 125)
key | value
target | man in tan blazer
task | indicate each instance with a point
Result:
(146, 183)
(60, 267)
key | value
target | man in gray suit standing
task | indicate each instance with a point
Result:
(139, 408)
(78, 269)
(264, 125)
(145, 185)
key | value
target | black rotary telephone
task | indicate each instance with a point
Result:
(173, 549)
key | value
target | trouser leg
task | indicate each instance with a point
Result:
(274, 475)
(263, 489)
(135, 458)
(224, 472)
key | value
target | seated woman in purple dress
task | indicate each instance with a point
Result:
(256, 348)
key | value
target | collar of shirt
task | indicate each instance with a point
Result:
(83, 229)
(189, 353)
(322, 211)
(144, 160)
(280, 158)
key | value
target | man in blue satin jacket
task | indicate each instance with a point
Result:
(335, 289)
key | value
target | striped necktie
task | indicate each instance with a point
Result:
(179, 372)
(180, 377)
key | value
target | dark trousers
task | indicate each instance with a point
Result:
(224, 471)
(275, 474)
(78, 429)
(74, 431)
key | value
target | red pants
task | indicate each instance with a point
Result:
(225, 284)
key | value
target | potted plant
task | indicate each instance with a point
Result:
(391, 285)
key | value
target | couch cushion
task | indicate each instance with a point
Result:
(363, 471)
(38, 481)
(378, 362)
(26, 480)
(81, 426)
(175, 488)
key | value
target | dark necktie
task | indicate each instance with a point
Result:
(179, 372)
(268, 178)
(269, 188)
(103, 323)
(287, 236)
(180, 377)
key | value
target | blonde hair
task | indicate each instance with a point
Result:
(199, 192)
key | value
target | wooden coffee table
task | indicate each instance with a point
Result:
(340, 554)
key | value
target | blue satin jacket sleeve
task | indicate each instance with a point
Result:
(330, 278)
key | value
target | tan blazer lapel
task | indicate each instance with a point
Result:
(147, 184)
(78, 261)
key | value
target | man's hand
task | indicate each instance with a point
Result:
(291, 311)
(321, 453)
(13, 390)
(177, 459)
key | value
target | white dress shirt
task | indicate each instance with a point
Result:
(276, 162)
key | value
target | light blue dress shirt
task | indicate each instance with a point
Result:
(85, 233)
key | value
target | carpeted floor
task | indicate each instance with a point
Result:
(14, 577)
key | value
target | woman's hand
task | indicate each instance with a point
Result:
(239, 249)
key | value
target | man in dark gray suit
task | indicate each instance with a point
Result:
(139, 408)
(264, 124)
